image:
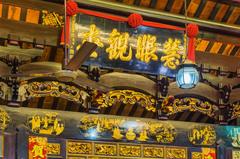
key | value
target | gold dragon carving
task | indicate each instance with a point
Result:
(126, 97)
(54, 89)
(171, 105)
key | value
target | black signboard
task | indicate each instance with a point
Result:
(144, 49)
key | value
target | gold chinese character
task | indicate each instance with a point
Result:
(118, 46)
(93, 36)
(172, 58)
(146, 48)
(38, 151)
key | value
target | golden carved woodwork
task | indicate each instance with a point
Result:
(105, 149)
(48, 124)
(4, 119)
(236, 111)
(53, 149)
(52, 19)
(235, 154)
(75, 147)
(154, 152)
(130, 150)
(171, 105)
(197, 155)
(202, 135)
(176, 153)
(126, 97)
(120, 129)
(54, 89)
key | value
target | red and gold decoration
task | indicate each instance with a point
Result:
(134, 20)
(203, 153)
(37, 147)
(172, 105)
(192, 32)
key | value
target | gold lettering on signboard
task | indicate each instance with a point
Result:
(118, 46)
(146, 48)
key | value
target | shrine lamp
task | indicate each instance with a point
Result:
(187, 74)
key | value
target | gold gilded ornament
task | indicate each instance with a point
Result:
(130, 150)
(105, 149)
(78, 147)
(127, 97)
(202, 135)
(55, 89)
(52, 19)
(153, 151)
(176, 153)
(143, 136)
(130, 135)
(118, 46)
(171, 105)
(235, 154)
(4, 119)
(49, 124)
(146, 48)
(171, 49)
(53, 149)
(117, 133)
(235, 111)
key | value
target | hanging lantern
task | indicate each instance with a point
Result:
(188, 76)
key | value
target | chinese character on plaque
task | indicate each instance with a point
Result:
(37, 147)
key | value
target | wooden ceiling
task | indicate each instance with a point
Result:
(227, 12)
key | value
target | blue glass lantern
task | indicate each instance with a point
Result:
(187, 76)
